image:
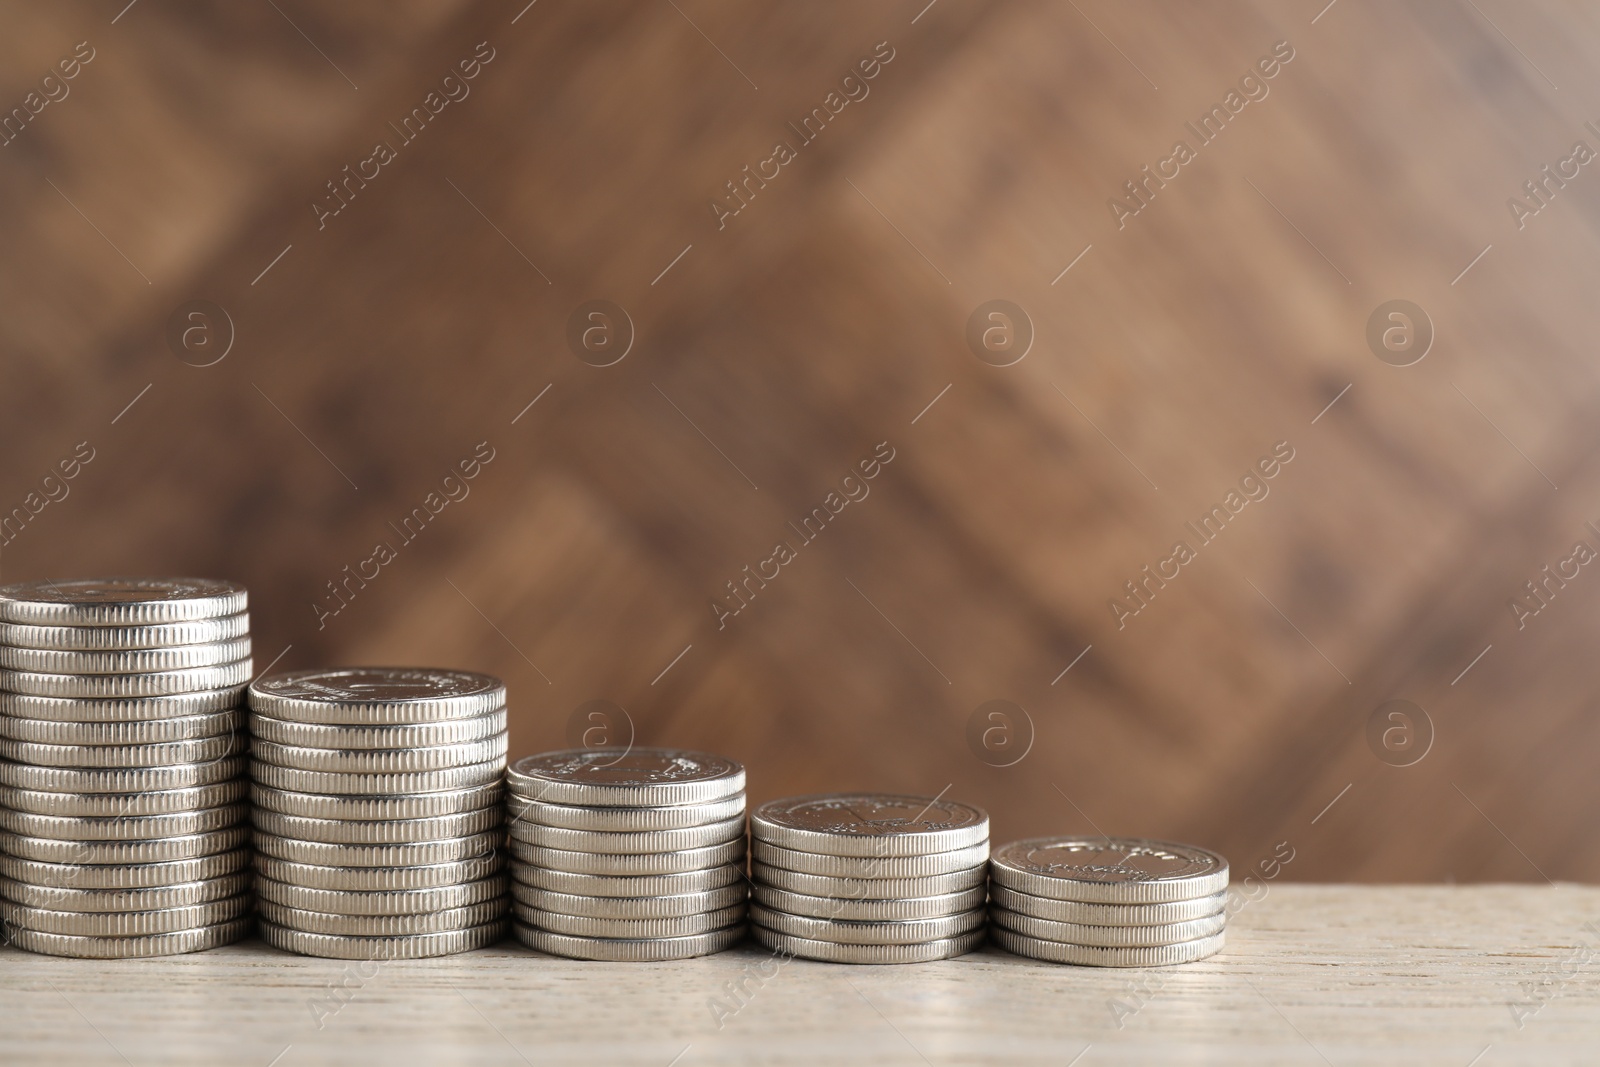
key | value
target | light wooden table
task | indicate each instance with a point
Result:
(1312, 974)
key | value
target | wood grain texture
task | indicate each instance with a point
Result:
(1311, 974)
(823, 319)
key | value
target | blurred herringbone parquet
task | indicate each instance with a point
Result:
(777, 348)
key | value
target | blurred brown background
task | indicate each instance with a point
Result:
(769, 356)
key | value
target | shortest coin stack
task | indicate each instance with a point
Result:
(627, 854)
(377, 811)
(869, 878)
(1108, 901)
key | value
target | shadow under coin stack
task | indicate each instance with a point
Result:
(1108, 902)
(124, 826)
(628, 854)
(869, 878)
(377, 810)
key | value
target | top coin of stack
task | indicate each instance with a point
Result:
(629, 854)
(869, 878)
(123, 822)
(377, 811)
(1108, 901)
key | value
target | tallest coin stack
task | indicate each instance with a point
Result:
(124, 827)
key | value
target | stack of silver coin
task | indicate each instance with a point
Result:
(124, 826)
(377, 811)
(1108, 901)
(628, 854)
(869, 878)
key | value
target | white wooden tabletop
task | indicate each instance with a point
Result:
(1484, 975)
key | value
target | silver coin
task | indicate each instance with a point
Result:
(618, 950)
(666, 907)
(162, 850)
(959, 859)
(375, 696)
(627, 886)
(1098, 956)
(395, 832)
(1108, 870)
(121, 709)
(871, 910)
(869, 824)
(123, 805)
(120, 601)
(821, 885)
(142, 732)
(849, 932)
(156, 898)
(377, 808)
(379, 879)
(160, 754)
(155, 683)
(642, 841)
(393, 902)
(377, 760)
(368, 949)
(293, 779)
(832, 952)
(119, 780)
(630, 929)
(622, 820)
(124, 828)
(635, 778)
(1073, 911)
(318, 735)
(125, 875)
(691, 859)
(110, 948)
(124, 924)
(1108, 936)
(124, 661)
(119, 638)
(414, 854)
(434, 922)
